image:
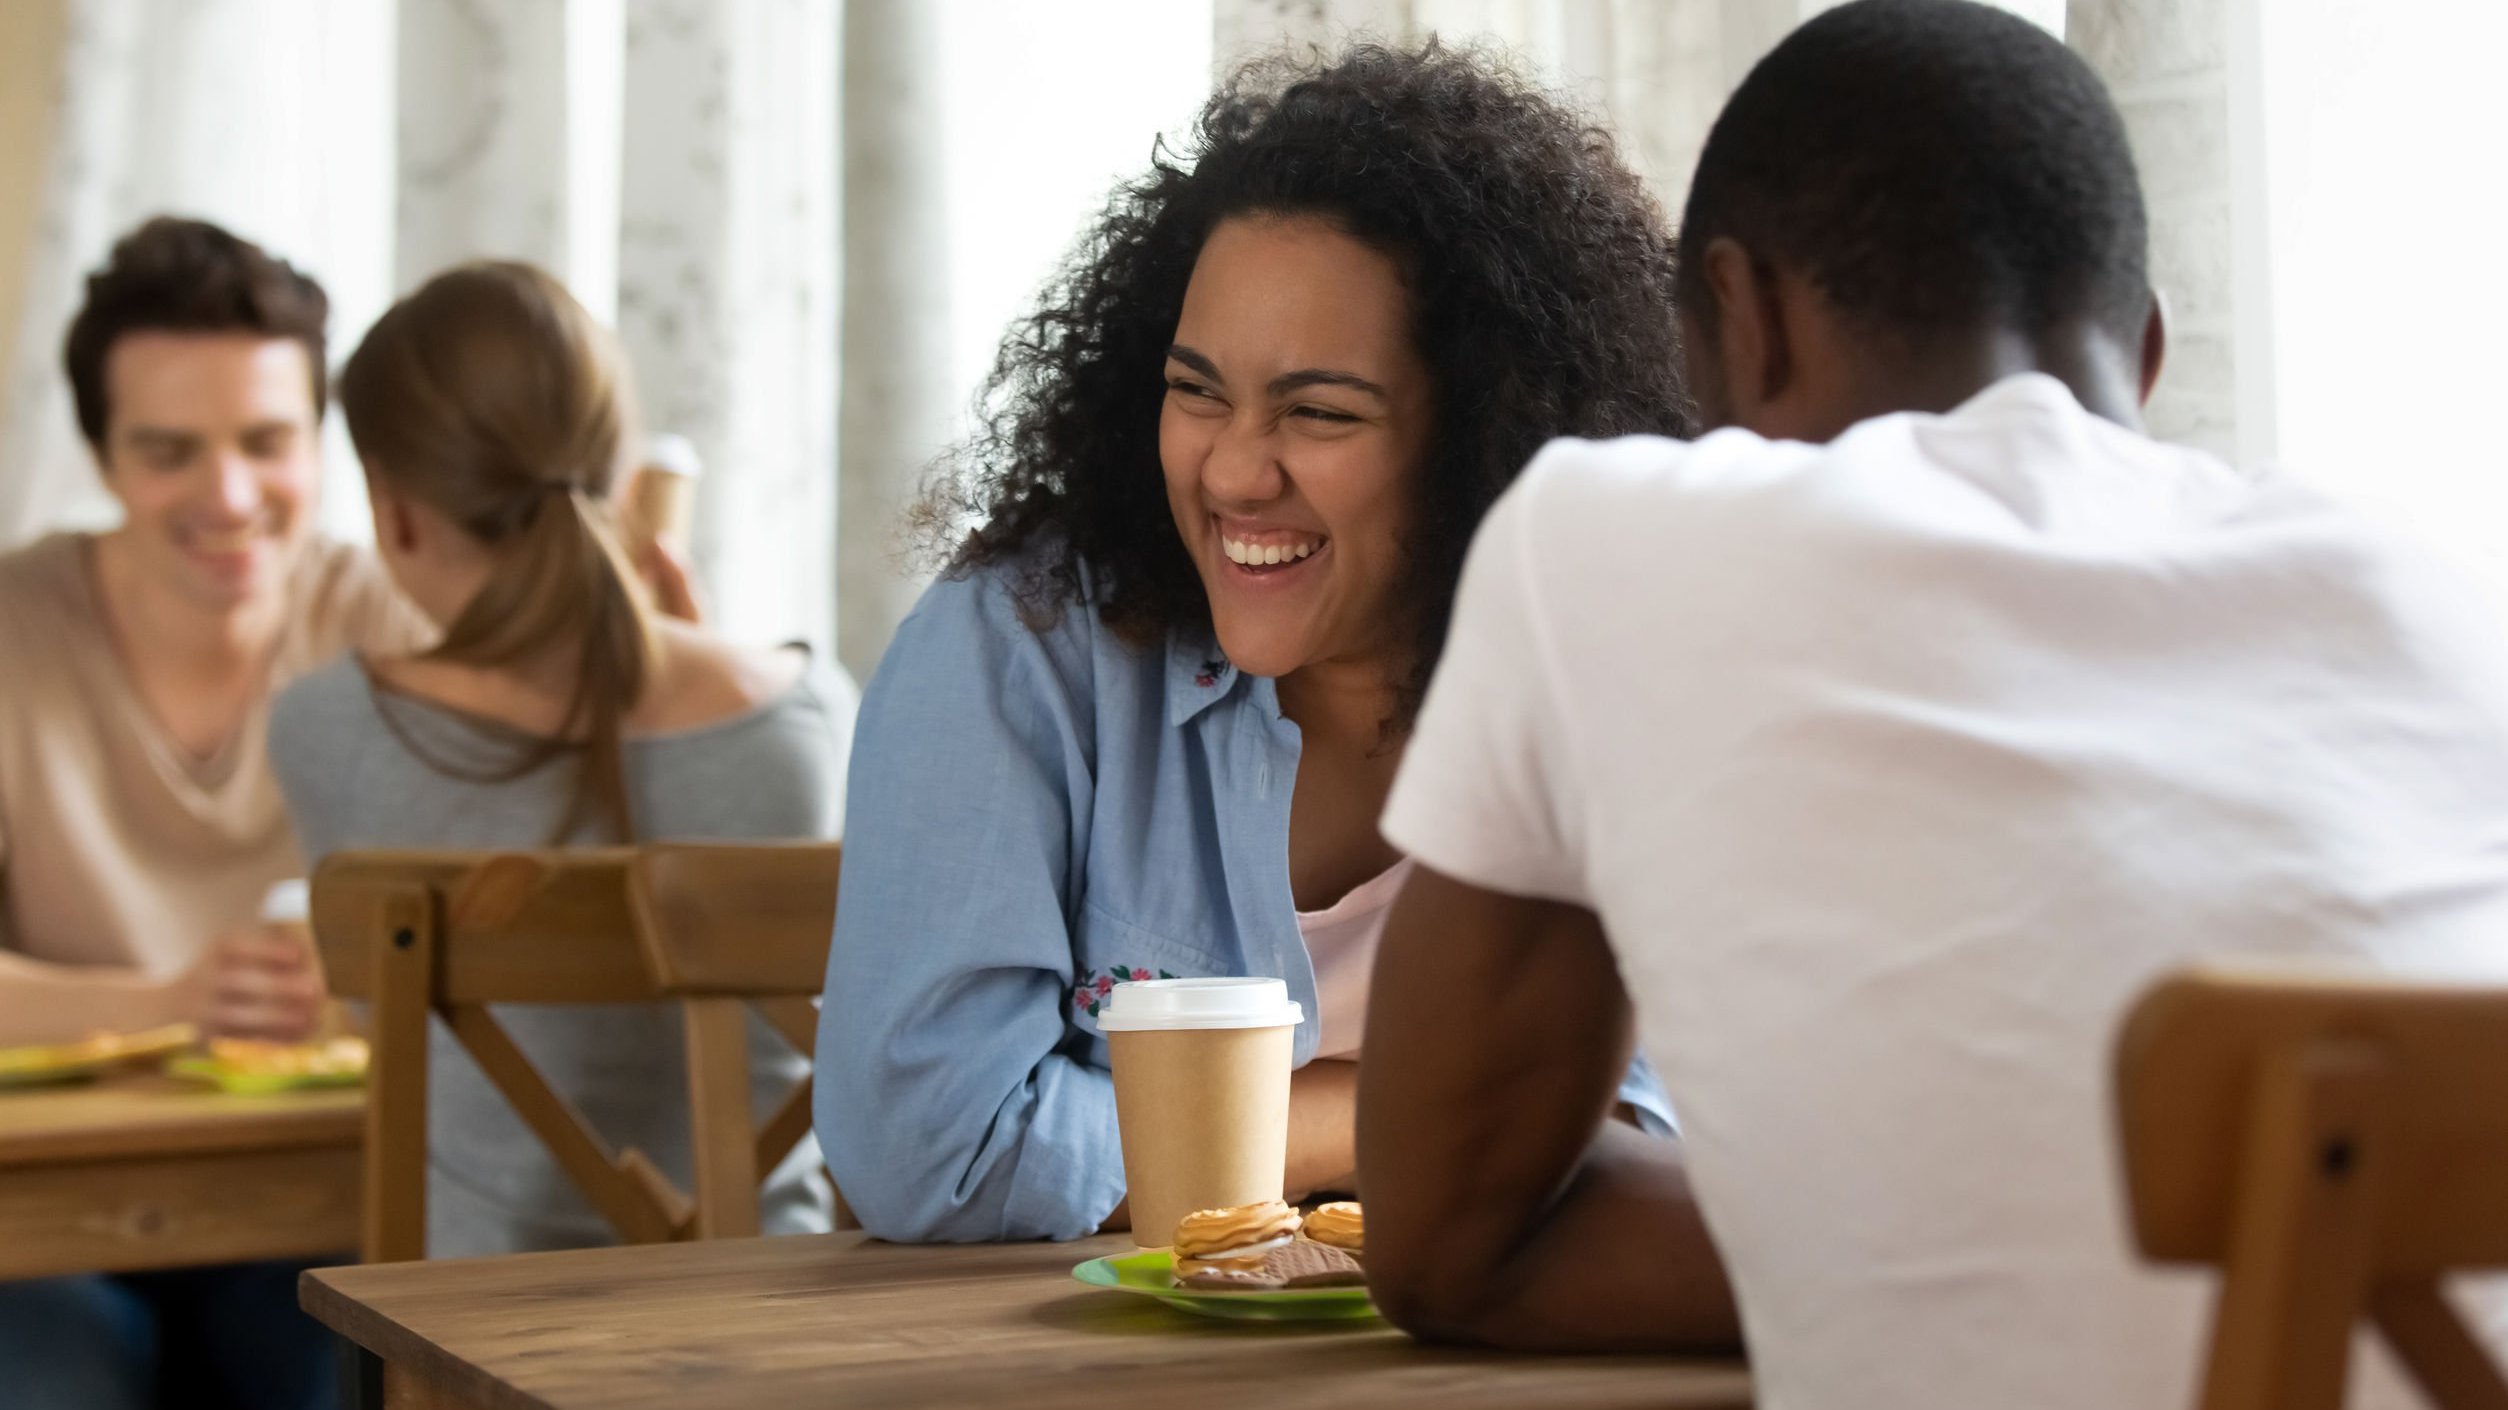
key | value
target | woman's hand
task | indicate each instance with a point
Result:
(1323, 1129)
(666, 576)
(258, 981)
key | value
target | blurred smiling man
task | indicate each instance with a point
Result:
(140, 828)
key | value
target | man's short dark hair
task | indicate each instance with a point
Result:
(187, 276)
(1933, 165)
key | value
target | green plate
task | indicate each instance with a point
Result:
(200, 1068)
(1153, 1275)
(57, 1075)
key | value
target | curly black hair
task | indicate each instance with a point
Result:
(1540, 277)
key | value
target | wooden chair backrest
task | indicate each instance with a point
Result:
(715, 929)
(2334, 1143)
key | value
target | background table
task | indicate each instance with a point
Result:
(148, 1172)
(827, 1320)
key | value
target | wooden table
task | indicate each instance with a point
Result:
(148, 1172)
(827, 1320)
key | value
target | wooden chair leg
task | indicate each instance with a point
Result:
(628, 1190)
(796, 1019)
(783, 1128)
(2431, 1339)
(717, 1035)
(2295, 1278)
(395, 1218)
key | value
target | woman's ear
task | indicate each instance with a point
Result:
(396, 528)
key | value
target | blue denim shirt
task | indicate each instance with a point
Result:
(1033, 815)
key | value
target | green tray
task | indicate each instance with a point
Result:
(1153, 1275)
(200, 1068)
(53, 1075)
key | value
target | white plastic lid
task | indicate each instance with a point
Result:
(1147, 1004)
(288, 901)
(673, 453)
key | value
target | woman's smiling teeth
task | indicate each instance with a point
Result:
(1257, 555)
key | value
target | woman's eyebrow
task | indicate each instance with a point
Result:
(1288, 382)
(1178, 352)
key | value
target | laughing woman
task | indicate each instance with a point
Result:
(1146, 721)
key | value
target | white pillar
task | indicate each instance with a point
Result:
(896, 399)
(507, 139)
(2166, 62)
(1244, 29)
(727, 290)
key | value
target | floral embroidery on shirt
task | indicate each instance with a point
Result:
(1089, 995)
(1209, 675)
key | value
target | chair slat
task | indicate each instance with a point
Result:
(784, 1127)
(715, 928)
(629, 1204)
(2336, 1141)
(753, 921)
(2186, 1068)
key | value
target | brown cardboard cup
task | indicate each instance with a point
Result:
(1201, 1094)
(661, 496)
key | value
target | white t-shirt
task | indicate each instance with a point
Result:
(1896, 769)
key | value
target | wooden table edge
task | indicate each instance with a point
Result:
(163, 1116)
(275, 1131)
(398, 1348)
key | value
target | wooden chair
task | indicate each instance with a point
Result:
(714, 929)
(2335, 1145)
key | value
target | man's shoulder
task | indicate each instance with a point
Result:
(39, 578)
(1649, 504)
(344, 600)
(1638, 468)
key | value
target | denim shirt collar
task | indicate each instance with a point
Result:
(1200, 675)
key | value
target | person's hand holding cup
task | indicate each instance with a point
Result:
(654, 517)
(261, 980)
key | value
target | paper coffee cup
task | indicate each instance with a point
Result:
(288, 902)
(1201, 1094)
(662, 494)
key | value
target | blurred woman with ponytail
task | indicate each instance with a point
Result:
(559, 707)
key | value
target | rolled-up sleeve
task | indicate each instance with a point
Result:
(951, 1105)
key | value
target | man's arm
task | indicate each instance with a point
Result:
(257, 981)
(41, 1002)
(1502, 1206)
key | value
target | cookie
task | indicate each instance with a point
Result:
(1228, 1278)
(1312, 1265)
(1340, 1224)
(1295, 1265)
(1239, 1235)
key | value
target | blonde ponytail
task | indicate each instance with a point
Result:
(492, 396)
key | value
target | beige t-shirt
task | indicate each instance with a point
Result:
(116, 846)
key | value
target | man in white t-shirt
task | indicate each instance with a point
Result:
(1863, 761)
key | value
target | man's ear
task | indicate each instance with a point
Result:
(2154, 344)
(1753, 350)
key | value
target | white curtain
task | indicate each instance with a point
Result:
(1658, 69)
(154, 103)
(676, 161)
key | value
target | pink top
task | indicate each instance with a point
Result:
(1341, 939)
